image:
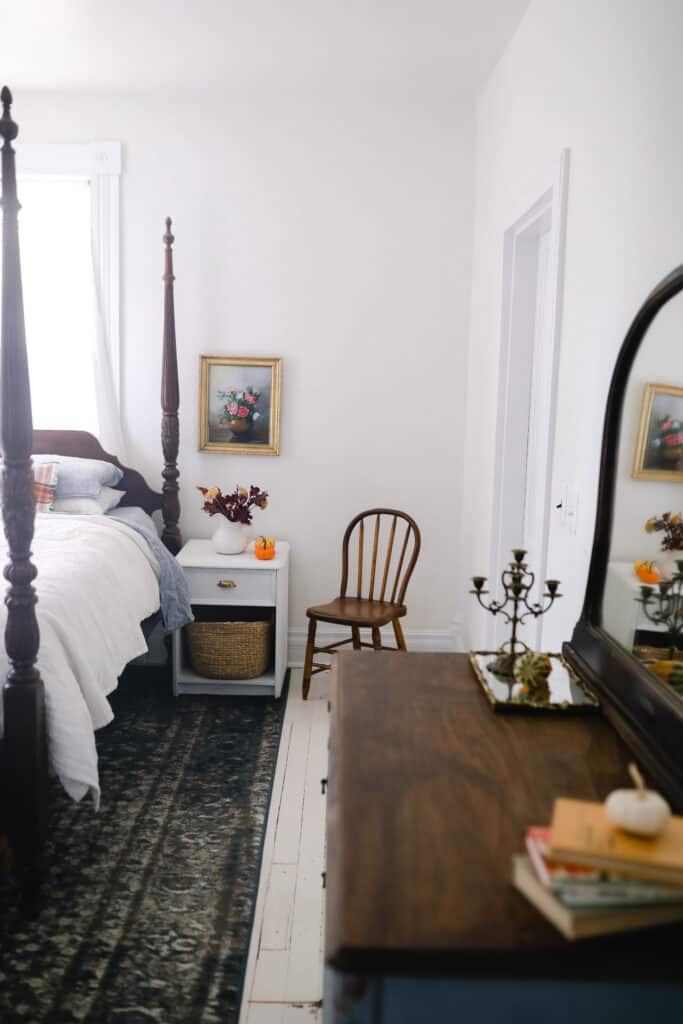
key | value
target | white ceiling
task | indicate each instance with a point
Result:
(141, 45)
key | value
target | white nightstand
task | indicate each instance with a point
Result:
(234, 580)
(622, 616)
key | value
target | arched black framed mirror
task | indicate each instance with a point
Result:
(619, 645)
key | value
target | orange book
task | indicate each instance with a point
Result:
(583, 834)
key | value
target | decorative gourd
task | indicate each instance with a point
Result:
(641, 811)
(264, 548)
(647, 572)
(670, 671)
(532, 669)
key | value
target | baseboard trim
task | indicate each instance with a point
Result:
(416, 640)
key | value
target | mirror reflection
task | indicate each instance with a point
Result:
(643, 597)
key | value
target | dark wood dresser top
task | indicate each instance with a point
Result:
(430, 792)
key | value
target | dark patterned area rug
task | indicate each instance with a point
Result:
(148, 904)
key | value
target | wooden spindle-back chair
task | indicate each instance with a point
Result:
(387, 576)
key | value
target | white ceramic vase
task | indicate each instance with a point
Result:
(230, 538)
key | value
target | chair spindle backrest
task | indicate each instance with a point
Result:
(403, 550)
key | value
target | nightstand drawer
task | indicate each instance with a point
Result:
(231, 586)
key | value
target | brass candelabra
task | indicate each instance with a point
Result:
(663, 605)
(517, 581)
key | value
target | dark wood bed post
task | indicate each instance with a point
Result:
(25, 746)
(170, 430)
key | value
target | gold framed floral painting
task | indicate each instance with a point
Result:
(659, 448)
(239, 405)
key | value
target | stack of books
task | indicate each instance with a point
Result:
(589, 878)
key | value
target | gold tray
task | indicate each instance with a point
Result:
(567, 692)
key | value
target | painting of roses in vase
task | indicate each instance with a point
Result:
(240, 411)
(240, 405)
(659, 449)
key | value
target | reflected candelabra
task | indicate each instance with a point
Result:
(663, 605)
(517, 581)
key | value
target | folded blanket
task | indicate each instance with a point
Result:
(173, 589)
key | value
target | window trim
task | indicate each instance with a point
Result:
(100, 164)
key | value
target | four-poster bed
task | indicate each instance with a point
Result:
(24, 739)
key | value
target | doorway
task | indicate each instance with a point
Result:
(533, 261)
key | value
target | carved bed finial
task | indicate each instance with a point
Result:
(170, 431)
(25, 745)
(8, 128)
(169, 239)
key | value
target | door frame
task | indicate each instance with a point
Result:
(550, 206)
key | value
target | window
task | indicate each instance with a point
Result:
(59, 301)
(69, 241)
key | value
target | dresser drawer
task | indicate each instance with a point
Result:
(231, 586)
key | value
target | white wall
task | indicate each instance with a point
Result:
(335, 232)
(604, 79)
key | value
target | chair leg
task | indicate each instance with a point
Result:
(376, 638)
(355, 634)
(398, 633)
(308, 661)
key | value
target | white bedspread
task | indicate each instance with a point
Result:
(97, 581)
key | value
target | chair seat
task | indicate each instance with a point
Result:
(357, 611)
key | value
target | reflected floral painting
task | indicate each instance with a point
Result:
(659, 450)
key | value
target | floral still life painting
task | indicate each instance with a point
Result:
(240, 405)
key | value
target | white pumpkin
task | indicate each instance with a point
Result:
(640, 811)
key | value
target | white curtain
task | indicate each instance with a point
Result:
(72, 385)
(108, 410)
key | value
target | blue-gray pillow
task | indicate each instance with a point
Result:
(82, 478)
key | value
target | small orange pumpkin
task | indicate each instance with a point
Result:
(264, 548)
(647, 572)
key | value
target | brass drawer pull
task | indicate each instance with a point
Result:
(226, 584)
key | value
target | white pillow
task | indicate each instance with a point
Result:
(82, 478)
(108, 498)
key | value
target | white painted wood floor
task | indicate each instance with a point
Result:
(283, 981)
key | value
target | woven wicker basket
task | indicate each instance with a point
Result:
(229, 650)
